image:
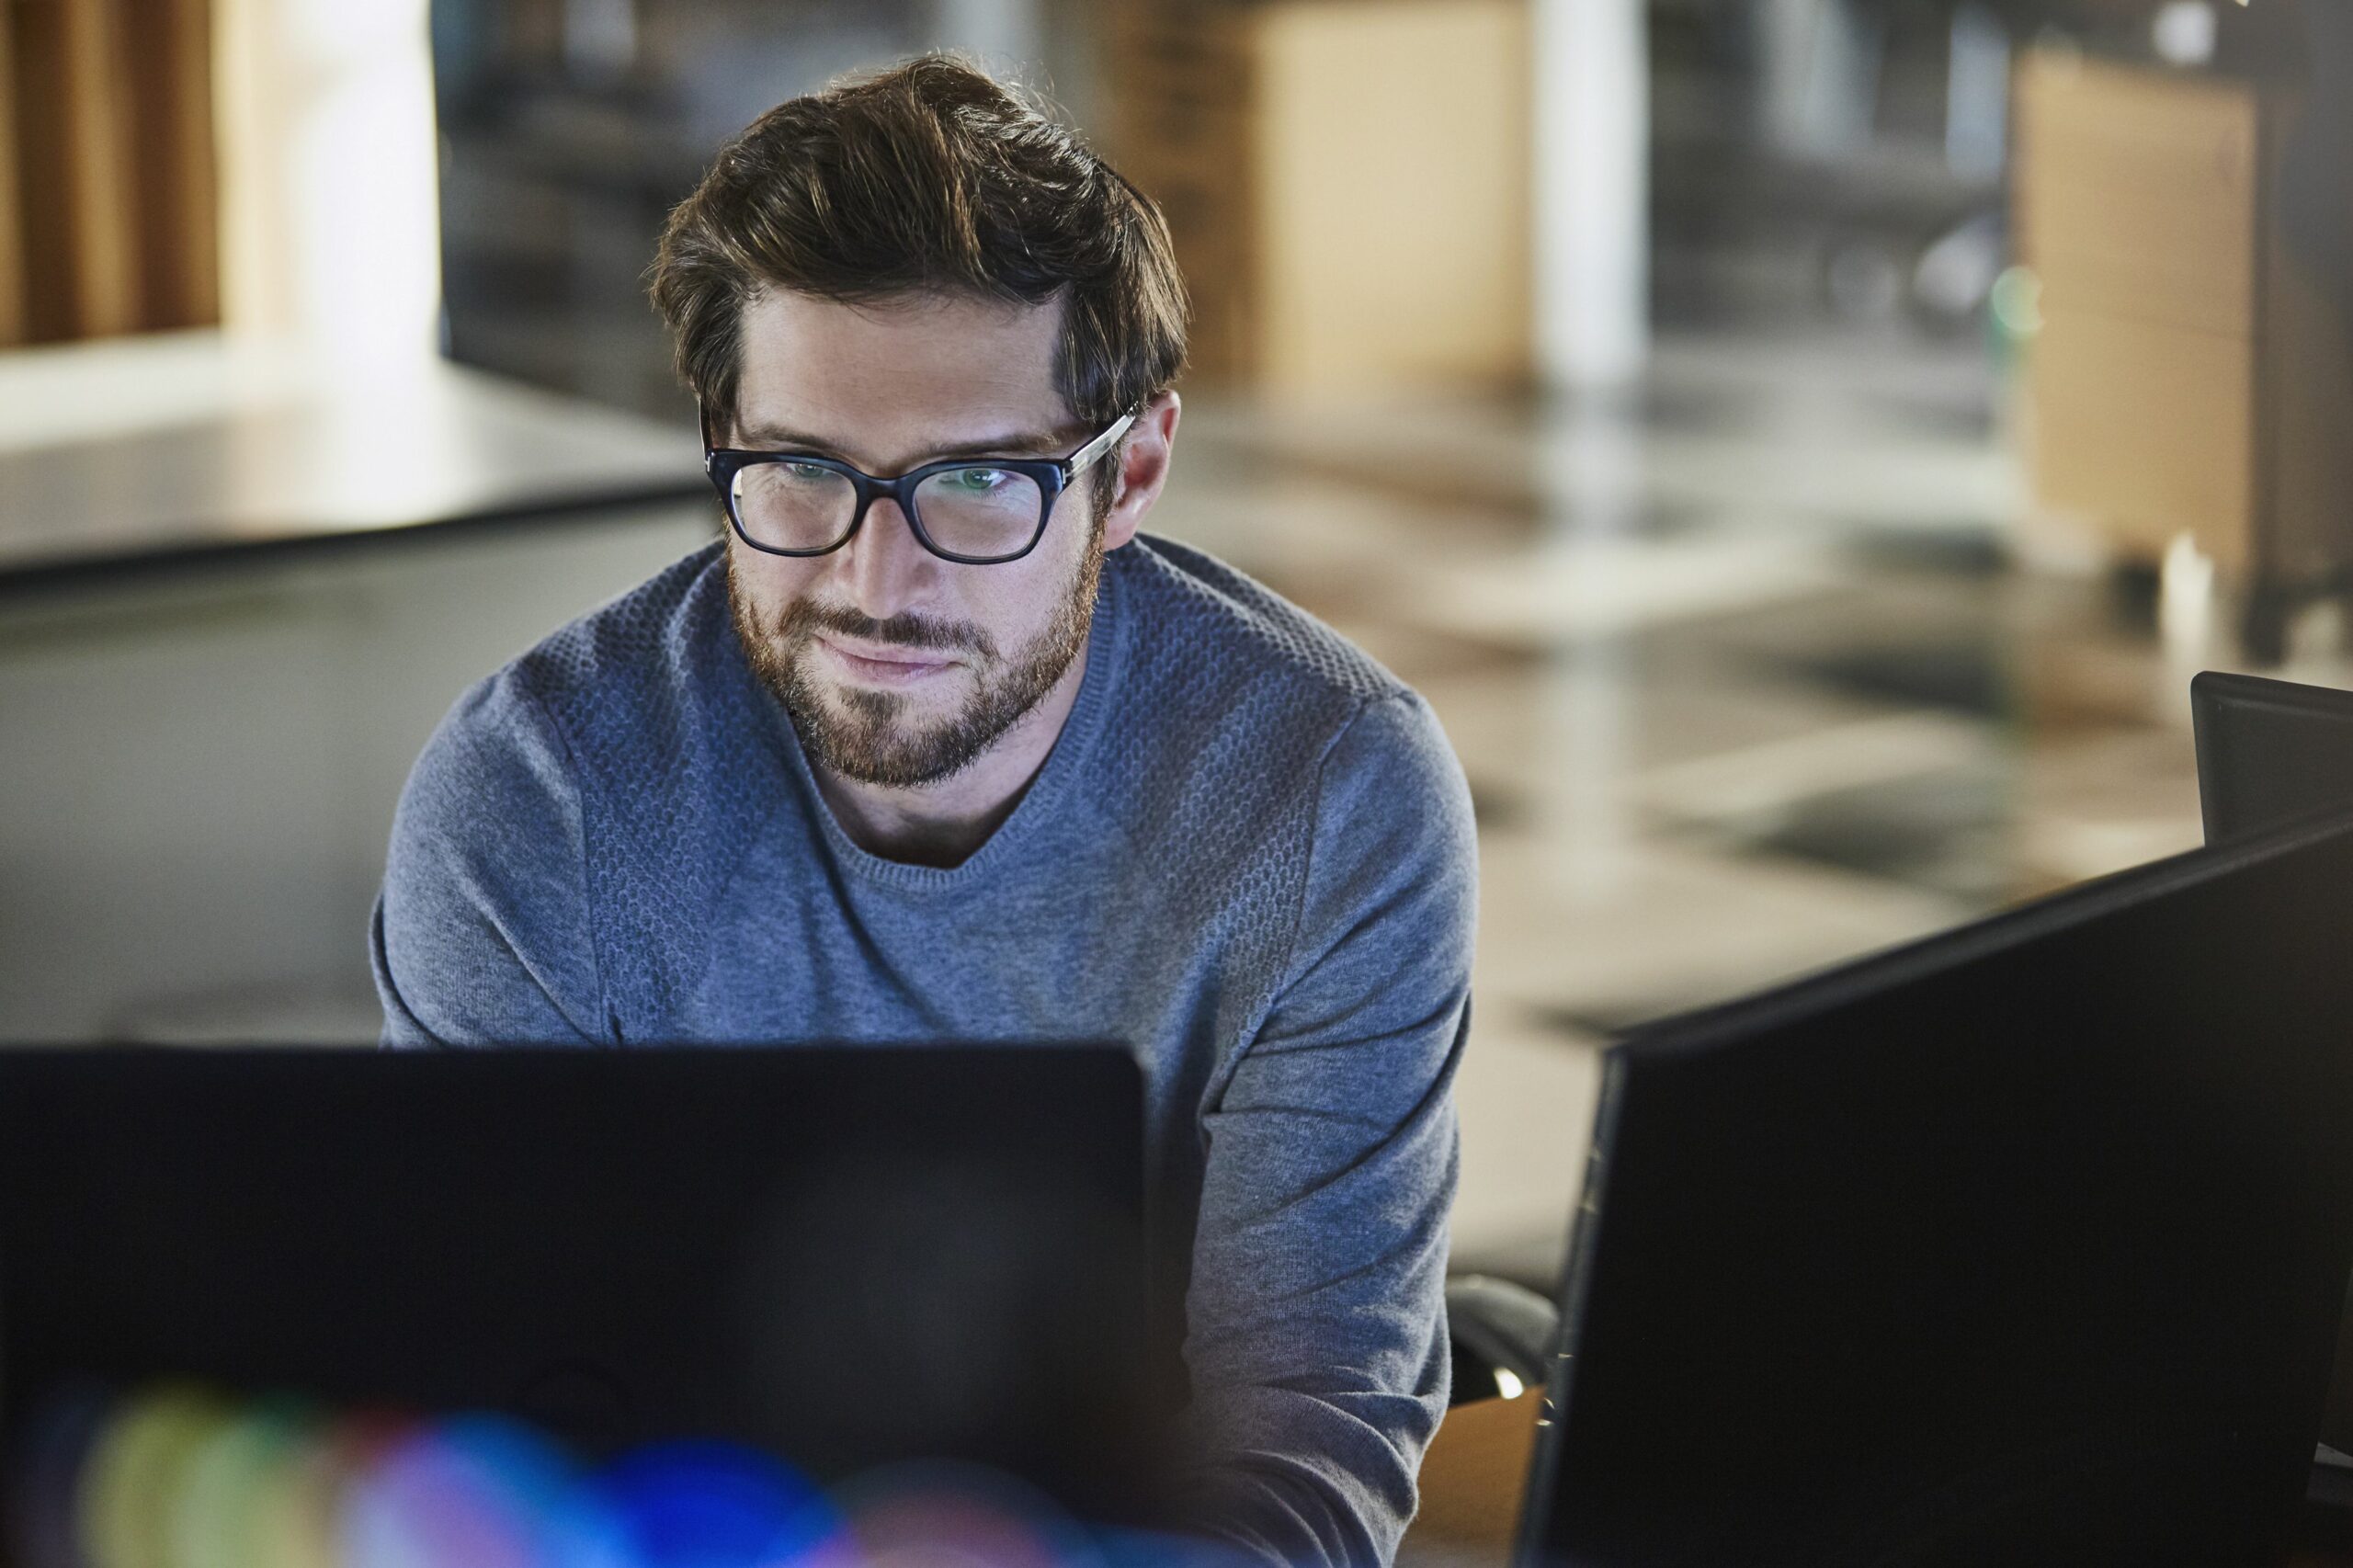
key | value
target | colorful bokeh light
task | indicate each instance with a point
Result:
(179, 1476)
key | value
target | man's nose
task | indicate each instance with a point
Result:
(883, 569)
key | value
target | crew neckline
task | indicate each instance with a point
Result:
(1106, 647)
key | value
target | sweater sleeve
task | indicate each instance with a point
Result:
(481, 933)
(1315, 1322)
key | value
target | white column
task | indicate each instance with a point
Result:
(1592, 196)
(329, 184)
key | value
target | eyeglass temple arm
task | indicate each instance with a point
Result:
(1101, 444)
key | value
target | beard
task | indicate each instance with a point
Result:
(871, 736)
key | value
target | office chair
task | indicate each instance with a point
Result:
(1496, 1328)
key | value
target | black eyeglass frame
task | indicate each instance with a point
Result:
(1051, 475)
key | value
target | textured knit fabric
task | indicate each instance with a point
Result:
(1248, 857)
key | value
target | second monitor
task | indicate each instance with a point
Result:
(2024, 1245)
(2269, 752)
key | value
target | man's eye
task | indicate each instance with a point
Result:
(979, 480)
(808, 473)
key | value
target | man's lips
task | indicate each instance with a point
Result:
(883, 667)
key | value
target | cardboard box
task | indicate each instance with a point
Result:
(2190, 376)
(1347, 181)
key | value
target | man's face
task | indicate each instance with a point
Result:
(900, 668)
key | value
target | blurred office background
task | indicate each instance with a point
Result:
(1802, 447)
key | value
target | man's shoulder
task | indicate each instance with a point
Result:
(636, 650)
(1208, 627)
(1241, 712)
(637, 718)
(636, 678)
(620, 762)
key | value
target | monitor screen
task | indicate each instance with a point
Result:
(829, 1259)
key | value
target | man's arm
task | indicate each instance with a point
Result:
(481, 935)
(1315, 1322)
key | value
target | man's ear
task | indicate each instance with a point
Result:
(1141, 468)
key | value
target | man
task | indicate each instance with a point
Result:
(934, 743)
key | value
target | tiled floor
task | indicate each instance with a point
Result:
(1744, 677)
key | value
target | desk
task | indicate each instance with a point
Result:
(155, 452)
(1471, 1479)
(1475, 1472)
(239, 586)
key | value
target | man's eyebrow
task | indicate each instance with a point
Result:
(1025, 443)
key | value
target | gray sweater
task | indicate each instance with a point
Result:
(1249, 857)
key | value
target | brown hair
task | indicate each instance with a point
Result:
(929, 178)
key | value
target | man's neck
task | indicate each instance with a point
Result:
(945, 824)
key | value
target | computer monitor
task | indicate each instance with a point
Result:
(2269, 752)
(841, 1256)
(2023, 1244)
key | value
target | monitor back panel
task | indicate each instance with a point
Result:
(2269, 752)
(846, 1257)
(2023, 1245)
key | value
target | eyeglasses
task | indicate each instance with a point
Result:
(976, 514)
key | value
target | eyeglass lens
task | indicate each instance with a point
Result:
(975, 511)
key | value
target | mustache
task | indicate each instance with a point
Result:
(906, 629)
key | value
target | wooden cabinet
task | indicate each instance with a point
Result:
(1346, 182)
(2190, 375)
